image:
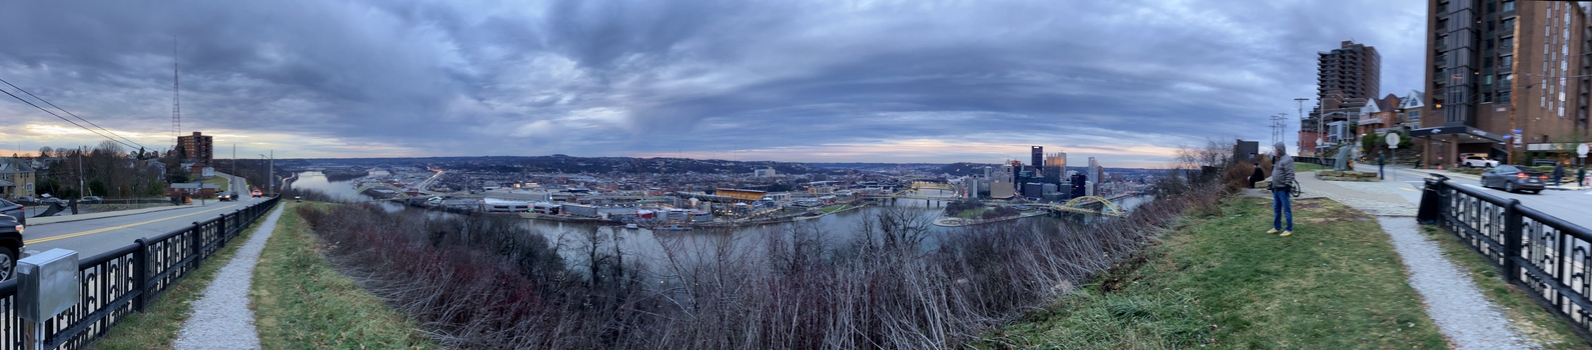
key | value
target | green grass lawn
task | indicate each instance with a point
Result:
(1221, 281)
(974, 213)
(301, 302)
(1528, 317)
(158, 325)
(224, 184)
(1303, 167)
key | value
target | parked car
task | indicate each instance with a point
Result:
(14, 210)
(1512, 179)
(1478, 162)
(10, 245)
(227, 196)
(27, 200)
(91, 199)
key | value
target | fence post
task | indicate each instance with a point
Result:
(197, 245)
(141, 274)
(1512, 239)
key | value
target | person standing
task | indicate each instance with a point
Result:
(1381, 162)
(1558, 172)
(1258, 175)
(1282, 179)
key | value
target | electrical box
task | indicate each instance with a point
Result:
(47, 284)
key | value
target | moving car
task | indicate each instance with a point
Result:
(255, 193)
(1511, 178)
(14, 210)
(1478, 162)
(227, 196)
(91, 199)
(10, 245)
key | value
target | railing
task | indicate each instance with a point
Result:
(1545, 255)
(124, 280)
(1322, 161)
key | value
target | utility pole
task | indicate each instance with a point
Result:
(1301, 101)
(83, 190)
(235, 165)
(272, 175)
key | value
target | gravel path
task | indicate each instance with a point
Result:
(1452, 300)
(221, 319)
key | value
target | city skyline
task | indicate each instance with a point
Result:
(809, 82)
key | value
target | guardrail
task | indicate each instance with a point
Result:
(1322, 161)
(1547, 256)
(118, 282)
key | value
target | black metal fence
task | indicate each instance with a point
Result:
(1547, 256)
(118, 282)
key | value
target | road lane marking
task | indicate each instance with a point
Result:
(90, 232)
(1408, 189)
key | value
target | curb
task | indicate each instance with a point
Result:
(75, 218)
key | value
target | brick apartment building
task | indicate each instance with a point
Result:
(199, 149)
(1504, 78)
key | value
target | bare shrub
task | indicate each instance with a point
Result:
(477, 282)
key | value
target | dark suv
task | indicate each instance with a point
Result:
(14, 210)
(10, 245)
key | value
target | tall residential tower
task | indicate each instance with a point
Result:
(1503, 77)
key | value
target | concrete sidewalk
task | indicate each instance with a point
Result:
(101, 215)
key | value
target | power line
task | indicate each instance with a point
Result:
(41, 99)
(8, 93)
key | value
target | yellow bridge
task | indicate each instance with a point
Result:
(1076, 205)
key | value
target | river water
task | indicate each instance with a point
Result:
(653, 249)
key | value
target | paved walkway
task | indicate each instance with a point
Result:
(1465, 317)
(221, 319)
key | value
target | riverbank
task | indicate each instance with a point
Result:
(1220, 280)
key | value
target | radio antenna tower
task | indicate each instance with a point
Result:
(176, 106)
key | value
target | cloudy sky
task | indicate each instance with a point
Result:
(807, 80)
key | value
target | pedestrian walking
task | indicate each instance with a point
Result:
(1381, 161)
(1558, 172)
(1259, 174)
(1282, 179)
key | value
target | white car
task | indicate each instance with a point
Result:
(1478, 162)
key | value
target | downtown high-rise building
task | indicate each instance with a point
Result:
(1503, 78)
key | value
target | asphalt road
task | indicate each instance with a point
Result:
(95, 236)
(1570, 205)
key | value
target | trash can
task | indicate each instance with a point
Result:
(1428, 212)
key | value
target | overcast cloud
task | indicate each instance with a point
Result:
(810, 80)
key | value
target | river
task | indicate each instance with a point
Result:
(648, 247)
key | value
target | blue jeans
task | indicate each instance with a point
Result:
(1280, 207)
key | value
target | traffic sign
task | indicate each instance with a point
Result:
(1582, 149)
(1392, 140)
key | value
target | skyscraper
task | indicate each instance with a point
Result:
(1475, 52)
(1037, 155)
(1055, 167)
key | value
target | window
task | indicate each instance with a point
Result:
(1506, 62)
(1503, 96)
(1508, 5)
(1416, 114)
(1506, 43)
